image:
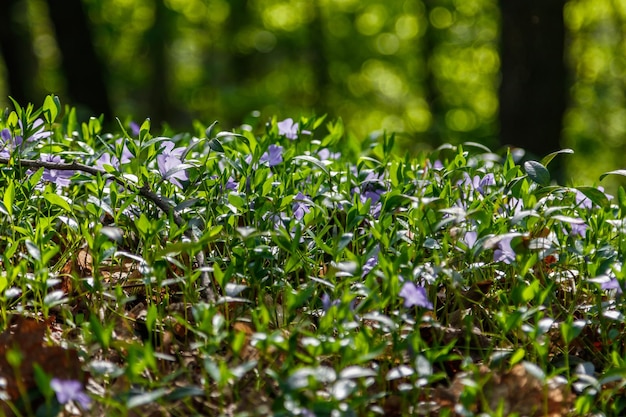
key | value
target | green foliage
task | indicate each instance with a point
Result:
(262, 272)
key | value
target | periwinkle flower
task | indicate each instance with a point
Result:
(327, 303)
(504, 252)
(273, 156)
(135, 128)
(67, 390)
(477, 183)
(169, 159)
(55, 176)
(290, 130)
(7, 143)
(107, 159)
(415, 295)
(325, 154)
(470, 238)
(231, 184)
(612, 284)
(369, 265)
(578, 229)
(300, 207)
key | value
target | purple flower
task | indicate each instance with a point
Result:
(324, 154)
(327, 303)
(58, 177)
(289, 129)
(582, 200)
(7, 143)
(612, 284)
(415, 296)
(369, 265)
(231, 184)
(578, 229)
(273, 156)
(300, 207)
(67, 390)
(107, 159)
(134, 128)
(477, 183)
(470, 238)
(504, 252)
(37, 134)
(170, 159)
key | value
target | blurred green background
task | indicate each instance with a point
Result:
(429, 70)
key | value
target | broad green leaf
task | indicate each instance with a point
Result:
(621, 172)
(57, 200)
(537, 172)
(621, 198)
(595, 195)
(51, 109)
(145, 398)
(548, 158)
(312, 160)
(9, 197)
(216, 146)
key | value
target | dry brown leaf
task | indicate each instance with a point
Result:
(515, 391)
(27, 336)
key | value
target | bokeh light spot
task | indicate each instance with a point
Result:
(460, 120)
(441, 18)
(372, 20)
(387, 43)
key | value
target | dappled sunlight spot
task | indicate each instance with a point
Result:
(387, 43)
(419, 119)
(441, 18)
(485, 104)
(220, 11)
(343, 5)
(461, 120)
(408, 27)
(616, 126)
(288, 16)
(593, 62)
(384, 78)
(138, 17)
(574, 16)
(372, 20)
(486, 60)
(393, 123)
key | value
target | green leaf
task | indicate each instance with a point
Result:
(621, 172)
(51, 108)
(145, 398)
(312, 160)
(621, 198)
(595, 195)
(546, 159)
(537, 172)
(9, 197)
(57, 200)
(216, 146)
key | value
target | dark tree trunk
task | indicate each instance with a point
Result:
(157, 40)
(533, 86)
(17, 50)
(83, 70)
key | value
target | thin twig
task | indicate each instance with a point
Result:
(143, 191)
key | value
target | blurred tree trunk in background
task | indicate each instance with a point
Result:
(318, 56)
(83, 70)
(157, 40)
(533, 85)
(17, 48)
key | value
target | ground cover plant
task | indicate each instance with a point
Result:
(274, 270)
